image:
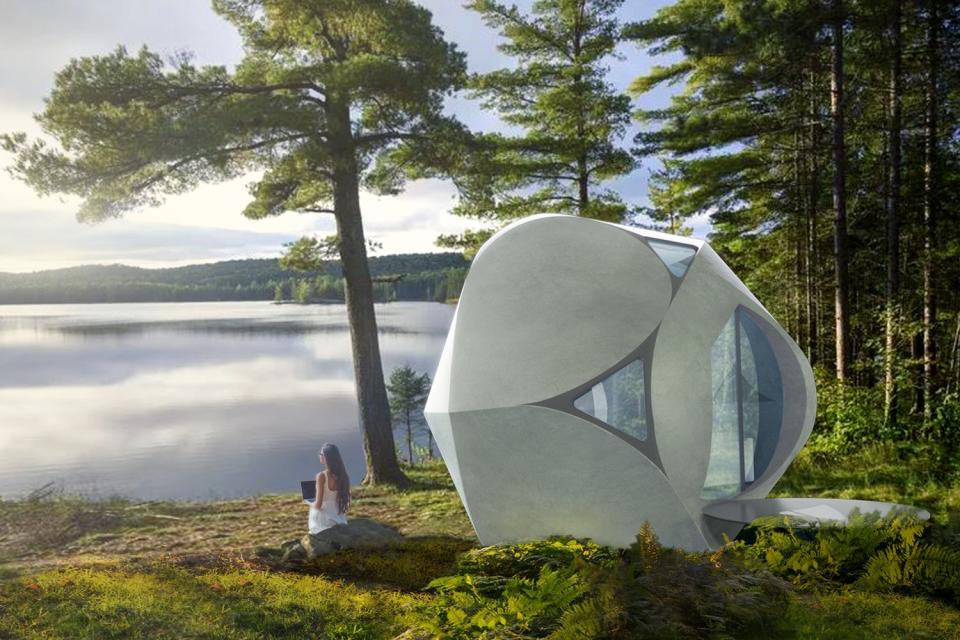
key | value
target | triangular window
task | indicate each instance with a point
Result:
(677, 257)
(619, 400)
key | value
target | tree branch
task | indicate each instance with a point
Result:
(172, 168)
(387, 137)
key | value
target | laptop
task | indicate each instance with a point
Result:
(309, 490)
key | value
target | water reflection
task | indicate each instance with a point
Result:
(188, 400)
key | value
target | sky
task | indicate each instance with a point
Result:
(39, 38)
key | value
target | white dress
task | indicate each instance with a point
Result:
(327, 515)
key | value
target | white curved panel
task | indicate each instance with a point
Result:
(681, 388)
(530, 472)
(440, 402)
(548, 304)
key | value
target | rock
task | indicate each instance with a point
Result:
(358, 533)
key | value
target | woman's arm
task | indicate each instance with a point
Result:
(320, 484)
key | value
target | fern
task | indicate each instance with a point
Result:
(925, 567)
(567, 589)
(872, 552)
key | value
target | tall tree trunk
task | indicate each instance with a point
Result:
(955, 359)
(916, 354)
(812, 254)
(893, 223)
(930, 206)
(799, 240)
(409, 437)
(378, 444)
(840, 258)
(583, 171)
(583, 182)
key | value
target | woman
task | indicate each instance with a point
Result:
(333, 492)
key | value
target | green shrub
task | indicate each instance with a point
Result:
(870, 552)
(526, 559)
(848, 416)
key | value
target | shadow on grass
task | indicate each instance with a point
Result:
(408, 565)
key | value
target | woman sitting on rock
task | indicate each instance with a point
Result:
(333, 492)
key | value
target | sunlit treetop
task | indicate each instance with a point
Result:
(324, 87)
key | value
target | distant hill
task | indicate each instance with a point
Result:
(427, 276)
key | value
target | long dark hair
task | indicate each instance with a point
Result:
(331, 456)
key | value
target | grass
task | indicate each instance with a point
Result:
(409, 565)
(114, 568)
(866, 616)
(52, 529)
(879, 472)
(157, 601)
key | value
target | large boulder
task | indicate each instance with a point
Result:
(358, 533)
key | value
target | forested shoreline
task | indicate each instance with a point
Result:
(425, 277)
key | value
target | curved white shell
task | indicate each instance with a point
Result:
(552, 304)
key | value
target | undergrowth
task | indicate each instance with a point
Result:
(566, 588)
(871, 553)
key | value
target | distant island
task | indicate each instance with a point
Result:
(407, 276)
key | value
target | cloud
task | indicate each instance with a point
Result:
(43, 239)
(39, 38)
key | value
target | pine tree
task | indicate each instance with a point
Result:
(569, 116)
(327, 90)
(408, 394)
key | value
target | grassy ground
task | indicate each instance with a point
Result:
(56, 530)
(886, 473)
(156, 600)
(71, 568)
(867, 616)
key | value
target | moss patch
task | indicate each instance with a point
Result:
(170, 602)
(865, 616)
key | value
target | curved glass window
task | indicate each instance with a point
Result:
(747, 406)
(619, 400)
(762, 397)
(723, 471)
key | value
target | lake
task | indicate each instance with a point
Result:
(189, 400)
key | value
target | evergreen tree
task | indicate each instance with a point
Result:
(303, 291)
(326, 90)
(570, 116)
(813, 129)
(408, 394)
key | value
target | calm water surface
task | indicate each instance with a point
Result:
(188, 400)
